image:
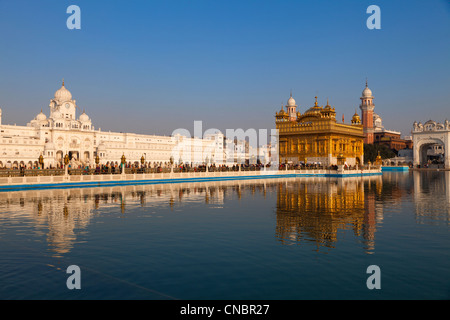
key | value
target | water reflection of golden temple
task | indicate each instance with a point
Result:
(317, 209)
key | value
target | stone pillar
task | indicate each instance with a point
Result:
(416, 155)
(447, 159)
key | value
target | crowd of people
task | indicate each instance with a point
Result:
(158, 167)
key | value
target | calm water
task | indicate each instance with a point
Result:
(303, 238)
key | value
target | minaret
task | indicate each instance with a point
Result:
(367, 107)
(291, 109)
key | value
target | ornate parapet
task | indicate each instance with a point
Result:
(431, 125)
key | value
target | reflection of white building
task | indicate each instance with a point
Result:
(432, 197)
(62, 215)
(63, 132)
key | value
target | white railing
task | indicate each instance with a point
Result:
(37, 180)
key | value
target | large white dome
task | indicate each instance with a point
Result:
(63, 94)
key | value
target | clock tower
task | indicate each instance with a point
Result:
(62, 104)
(367, 107)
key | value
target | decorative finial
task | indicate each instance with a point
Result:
(291, 93)
(63, 82)
(327, 102)
(315, 103)
(366, 82)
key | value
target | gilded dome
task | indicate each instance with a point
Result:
(63, 94)
(328, 107)
(281, 112)
(356, 119)
(315, 109)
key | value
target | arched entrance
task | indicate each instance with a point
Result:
(431, 144)
(74, 155)
(430, 153)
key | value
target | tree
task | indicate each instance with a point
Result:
(371, 152)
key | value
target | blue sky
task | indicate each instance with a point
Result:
(155, 66)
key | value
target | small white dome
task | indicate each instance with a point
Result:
(63, 94)
(41, 116)
(84, 117)
(291, 102)
(367, 93)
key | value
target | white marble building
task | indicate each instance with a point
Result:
(62, 132)
(432, 135)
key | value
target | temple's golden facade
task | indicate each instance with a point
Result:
(316, 136)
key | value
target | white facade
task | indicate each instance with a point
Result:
(431, 134)
(62, 132)
(378, 125)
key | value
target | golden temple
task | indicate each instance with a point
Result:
(316, 137)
